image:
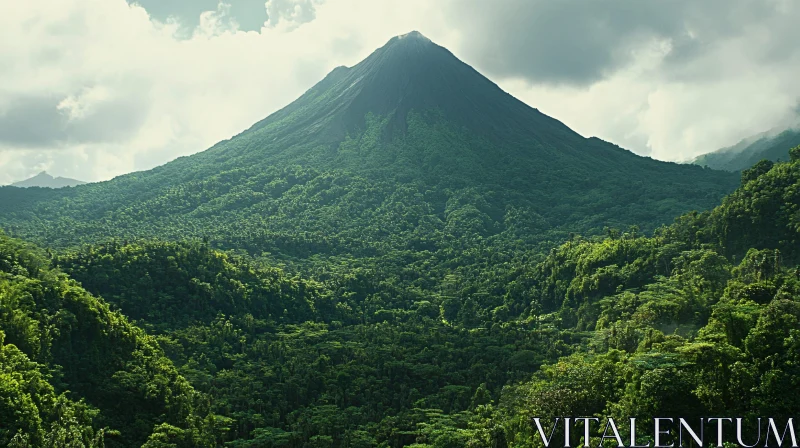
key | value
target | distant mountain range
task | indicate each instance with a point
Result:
(770, 145)
(45, 180)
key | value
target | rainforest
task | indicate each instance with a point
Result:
(406, 256)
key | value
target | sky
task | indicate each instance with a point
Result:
(91, 89)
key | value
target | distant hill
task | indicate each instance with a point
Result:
(767, 145)
(45, 180)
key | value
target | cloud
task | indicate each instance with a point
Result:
(250, 15)
(564, 42)
(219, 21)
(32, 121)
(89, 116)
(290, 13)
(579, 42)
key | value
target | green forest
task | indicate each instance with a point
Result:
(160, 343)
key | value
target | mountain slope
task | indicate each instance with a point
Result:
(290, 361)
(748, 152)
(409, 152)
(412, 73)
(45, 180)
(71, 367)
(699, 320)
(356, 361)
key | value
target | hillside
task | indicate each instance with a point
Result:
(410, 152)
(353, 361)
(767, 146)
(47, 181)
(699, 319)
(75, 373)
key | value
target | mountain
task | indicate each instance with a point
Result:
(45, 180)
(411, 73)
(767, 145)
(410, 157)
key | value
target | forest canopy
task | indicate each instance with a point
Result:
(177, 343)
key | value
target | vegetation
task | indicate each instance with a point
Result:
(698, 319)
(408, 204)
(687, 323)
(75, 373)
(353, 361)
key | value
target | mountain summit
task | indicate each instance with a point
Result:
(412, 73)
(409, 151)
(44, 179)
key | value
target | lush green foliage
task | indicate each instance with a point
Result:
(686, 323)
(353, 360)
(75, 372)
(167, 286)
(698, 319)
(417, 209)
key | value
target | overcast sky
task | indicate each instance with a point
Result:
(92, 89)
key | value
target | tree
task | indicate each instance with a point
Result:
(794, 154)
(756, 170)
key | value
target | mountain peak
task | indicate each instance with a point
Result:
(411, 38)
(44, 179)
(411, 74)
(412, 34)
(408, 49)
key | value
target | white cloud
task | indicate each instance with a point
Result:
(214, 23)
(642, 109)
(289, 14)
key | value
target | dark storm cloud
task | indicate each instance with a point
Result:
(37, 122)
(579, 42)
(249, 14)
(32, 122)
